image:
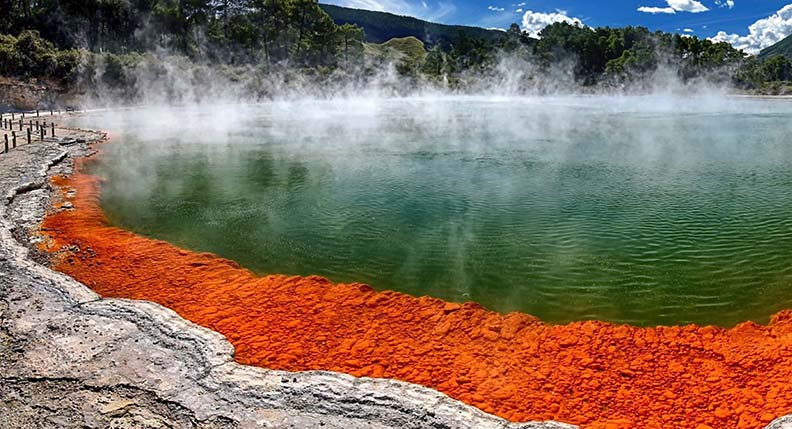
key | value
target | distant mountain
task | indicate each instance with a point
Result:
(783, 47)
(379, 27)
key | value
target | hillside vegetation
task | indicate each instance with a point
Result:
(379, 27)
(407, 54)
(784, 47)
(268, 33)
(132, 49)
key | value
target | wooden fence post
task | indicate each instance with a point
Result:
(28, 130)
(13, 139)
(6, 142)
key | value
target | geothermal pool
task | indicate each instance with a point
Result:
(646, 210)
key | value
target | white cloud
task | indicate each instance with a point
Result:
(495, 8)
(762, 33)
(674, 6)
(692, 6)
(688, 30)
(725, 3)
(534, 22)
(656, 10)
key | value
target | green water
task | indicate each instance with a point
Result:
(642, 210)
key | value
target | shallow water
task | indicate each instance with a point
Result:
(646, 210)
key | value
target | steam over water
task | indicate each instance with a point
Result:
(644, 210)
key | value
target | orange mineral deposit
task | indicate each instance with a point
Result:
(593, 374)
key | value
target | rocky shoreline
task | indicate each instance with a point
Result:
(69, 358)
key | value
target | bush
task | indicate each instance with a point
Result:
(28, 55)
(10, 62)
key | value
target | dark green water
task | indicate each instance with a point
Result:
(641, 210)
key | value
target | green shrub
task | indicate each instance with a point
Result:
(28, 55)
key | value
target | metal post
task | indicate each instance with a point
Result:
(37, 113)
(13, 138)
(20, 124)
(6, 142)
(42, 134)
(53, 129)
(28, 130)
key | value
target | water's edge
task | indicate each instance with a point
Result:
(70, 358)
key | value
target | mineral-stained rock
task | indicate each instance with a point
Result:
(781, 423)
(71, 359)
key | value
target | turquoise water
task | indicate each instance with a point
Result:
(646, 210)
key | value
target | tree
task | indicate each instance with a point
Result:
(352, 45)
(435, 64)
(777, 69)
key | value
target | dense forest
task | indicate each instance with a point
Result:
(266, 32)
(109, 43)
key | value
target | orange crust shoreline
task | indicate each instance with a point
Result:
(593, 374)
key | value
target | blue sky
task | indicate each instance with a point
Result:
(747, 24)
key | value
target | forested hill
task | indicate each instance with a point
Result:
(783, 47)
(380, 27)
(120, 48)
